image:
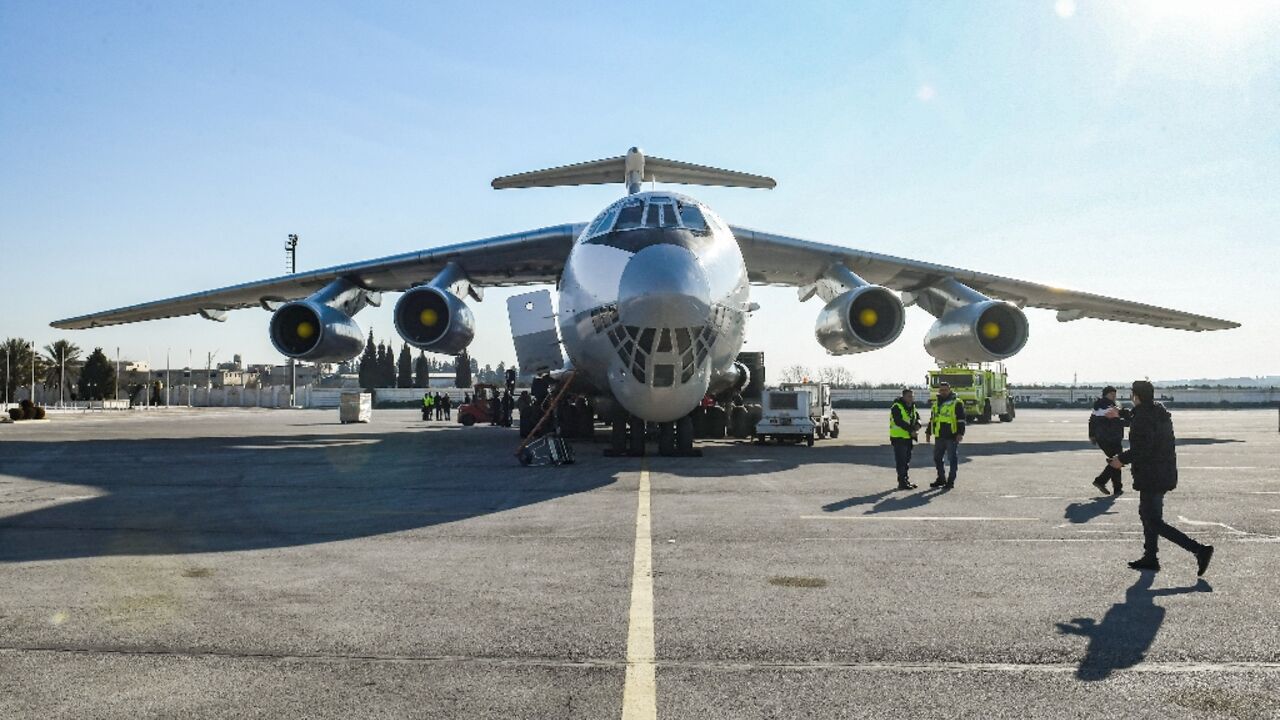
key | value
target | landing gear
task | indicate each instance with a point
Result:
(626, 436)
(684, 436)
(667, 438)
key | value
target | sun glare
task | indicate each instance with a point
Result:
(1219, 17)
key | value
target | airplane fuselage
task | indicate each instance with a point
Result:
(653, 304)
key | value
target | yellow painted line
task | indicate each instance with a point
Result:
(639, 693)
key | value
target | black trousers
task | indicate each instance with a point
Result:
(902, 456)
(1151, 510)
(1111, 448)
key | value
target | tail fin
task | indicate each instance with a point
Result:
(633, 169)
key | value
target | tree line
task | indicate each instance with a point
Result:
(380, 366)
(61, 362)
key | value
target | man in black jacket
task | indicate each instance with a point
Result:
(904, 428)
(1108, 434)
(1155, 472)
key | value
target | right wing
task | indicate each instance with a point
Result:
(780, 260)
(525, 258)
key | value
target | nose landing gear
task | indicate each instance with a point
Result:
(630, 433)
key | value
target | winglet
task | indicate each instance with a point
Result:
(633, 169)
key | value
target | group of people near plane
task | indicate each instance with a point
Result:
(1151, 456)
(436, 406)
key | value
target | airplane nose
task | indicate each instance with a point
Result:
(664, 286)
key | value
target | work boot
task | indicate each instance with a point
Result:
(1203, 556)
(1119, 491)
(949, 485)
(906, 485)
(938, 483)
(1101, 484)
(1147, 563)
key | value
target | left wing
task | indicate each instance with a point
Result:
(526, 258)
(780, 260)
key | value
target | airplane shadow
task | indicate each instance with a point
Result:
(199, 495)
(1127, 630)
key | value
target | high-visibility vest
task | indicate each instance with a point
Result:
(944, 413)
(908, 416)
(427, 401)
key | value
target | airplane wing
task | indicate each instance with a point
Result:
(526, 258)
(779, 260)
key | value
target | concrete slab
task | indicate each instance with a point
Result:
(257, 563)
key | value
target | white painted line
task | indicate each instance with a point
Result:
(1218, 467)
(918, 517)
(1264, 492)
(639, 693)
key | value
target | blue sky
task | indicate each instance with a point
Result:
(154, 149)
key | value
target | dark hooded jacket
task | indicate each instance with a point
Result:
(1151, 449)
(1105, 429)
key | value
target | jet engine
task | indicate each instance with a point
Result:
(310, 330)
(979, 332)
(434, 319)
(865, 318)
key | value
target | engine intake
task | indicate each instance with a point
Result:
(980, 332)
(433, 319)
(309, 330)
(864, 318)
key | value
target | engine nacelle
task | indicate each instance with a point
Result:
(309, 330)
(864, 318)
(433, 319)
(979, 332)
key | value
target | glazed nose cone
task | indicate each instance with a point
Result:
(664, 286)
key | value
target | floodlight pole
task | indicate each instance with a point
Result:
(117, 372)
(291, 257)
(167, 365)
(33, 372)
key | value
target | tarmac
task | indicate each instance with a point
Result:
(277, 564)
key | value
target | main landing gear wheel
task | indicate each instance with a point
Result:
(636, 446)
(684, 436)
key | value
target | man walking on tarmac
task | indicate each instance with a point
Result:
(946, 427)
(427, 400)
(1155, 472)
(904, 430)
(1108, 434)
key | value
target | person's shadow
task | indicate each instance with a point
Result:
(1083, 512)
(1126, 632)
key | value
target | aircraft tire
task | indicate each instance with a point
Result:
(716, 422)
(684, 435)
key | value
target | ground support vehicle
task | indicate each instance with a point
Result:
(477, 411)
(984, 390)
(786, 417)
(825, 420)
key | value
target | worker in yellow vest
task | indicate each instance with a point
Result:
(904, 430)
(428, 403)
(946, 428)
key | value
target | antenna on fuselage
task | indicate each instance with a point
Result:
(632, 170)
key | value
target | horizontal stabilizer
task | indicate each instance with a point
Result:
(633, 169)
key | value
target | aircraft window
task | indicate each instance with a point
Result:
(664, 375)
(664, 341)
(692, 218)
(653, 219)
(646, 340)
(629, 216)
(682, 339)
(687, 375)
(783, 401)
(603, 223)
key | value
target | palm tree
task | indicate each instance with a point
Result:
(15, 362)
(63, 365)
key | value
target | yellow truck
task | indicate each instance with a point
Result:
(984, 390)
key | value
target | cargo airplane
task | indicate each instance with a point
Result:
(654, 297)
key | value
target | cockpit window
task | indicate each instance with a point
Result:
(692, 218)
(629, 216)
(603, 223)
(654, 218)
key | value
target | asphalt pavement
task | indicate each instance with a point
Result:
(278, 564)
